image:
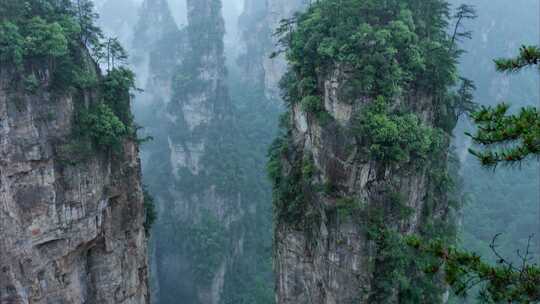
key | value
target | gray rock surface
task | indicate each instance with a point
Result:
(71, 227)
(329, 259)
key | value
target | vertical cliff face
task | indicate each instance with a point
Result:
(72, 212)
(157, 49)
(326, 255)
(72, 226)
(258, 23)
(350, 177)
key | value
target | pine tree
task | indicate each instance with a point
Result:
(509, 138)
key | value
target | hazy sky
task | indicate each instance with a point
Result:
(231, 8)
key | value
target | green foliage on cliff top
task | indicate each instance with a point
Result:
(102, 127)
(45, 39)
(11, 43)
(37, 30)
(150, 210)
(109, 122)
(116, 89)
(60, 37)
(394, 56)
(389, 47)
(396, 59)
(394, 137)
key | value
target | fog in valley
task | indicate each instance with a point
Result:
(505, 202)
(292, 152)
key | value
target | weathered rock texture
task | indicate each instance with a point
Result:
(329, 259)
(71, 227)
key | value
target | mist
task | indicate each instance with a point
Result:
(269, 151)
(496, 33)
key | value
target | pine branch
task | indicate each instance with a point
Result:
(528, 56)
(519, 135)
(501, 283)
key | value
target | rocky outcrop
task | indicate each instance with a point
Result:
(72, 226)
(327, 257)
(341, 208)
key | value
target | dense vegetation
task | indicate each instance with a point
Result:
(409, 50)
(327, 37)
(46, 32)
(151, 213)
(393, 137)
